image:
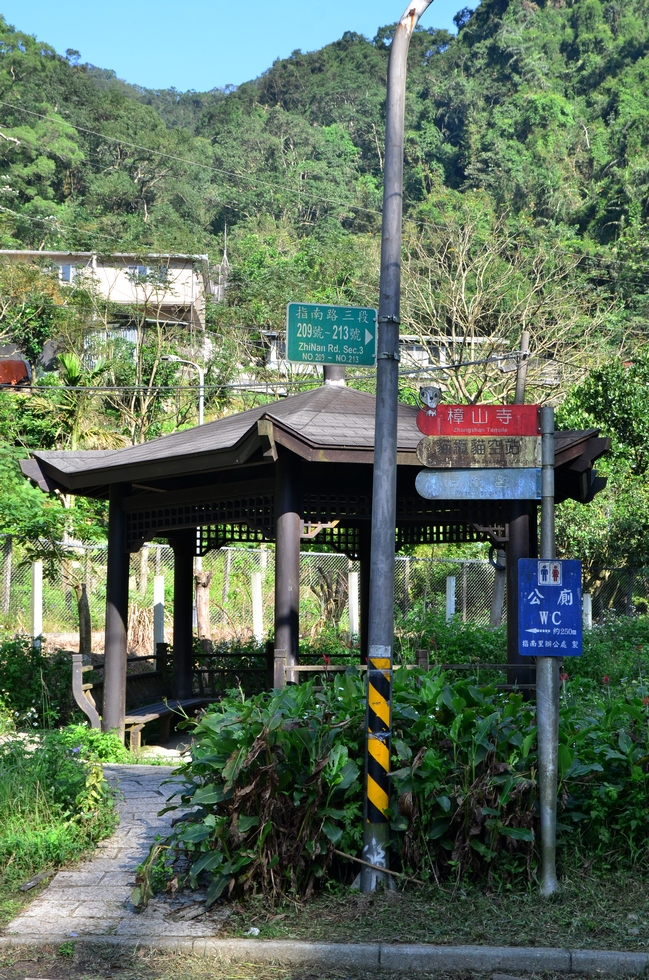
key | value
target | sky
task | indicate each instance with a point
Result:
(204, 44)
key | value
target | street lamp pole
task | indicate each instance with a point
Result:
(376, 826)
(198, 560)
(201, 381)
(201, 394)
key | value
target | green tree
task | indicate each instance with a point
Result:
(25, 512)
(614, 529)
(32, 307)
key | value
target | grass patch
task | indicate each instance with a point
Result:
(590, 911)
(54, 806)
(90, 961)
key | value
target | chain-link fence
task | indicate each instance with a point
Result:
(618, 591)
(240, 592)
(421, 583)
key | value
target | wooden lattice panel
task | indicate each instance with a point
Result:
(346, 540)
(213, 538)
(255, 512)
(410, 534)
(335, 506)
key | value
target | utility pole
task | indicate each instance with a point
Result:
(376, 826)
(521, 368)
(500, 576)
(547, 679)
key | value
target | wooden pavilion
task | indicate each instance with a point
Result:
(295, 469)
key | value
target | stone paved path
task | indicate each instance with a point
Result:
(93, 898)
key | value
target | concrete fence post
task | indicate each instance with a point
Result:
(158, 610)
(257, 607)
(587, 611)
(37, 602)
(352, 599)
(450, 597)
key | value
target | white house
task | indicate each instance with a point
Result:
(172, 286)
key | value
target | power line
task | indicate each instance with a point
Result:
(193, 163)
(251, 386)
(516, 355)
(593, 272)
(280, 188)
(156, 389)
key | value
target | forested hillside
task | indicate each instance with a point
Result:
(526, 192)
(536, 110)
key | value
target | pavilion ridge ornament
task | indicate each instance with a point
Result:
(321, 334)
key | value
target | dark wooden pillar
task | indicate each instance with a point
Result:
(365, 539)
(184, 546)
(287, 560)
(115, 636)
(518, 546)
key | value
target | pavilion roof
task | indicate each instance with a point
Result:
(331, 423)
(330, 417)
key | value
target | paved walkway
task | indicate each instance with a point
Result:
(92, 900)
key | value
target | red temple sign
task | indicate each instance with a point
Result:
(480, 420)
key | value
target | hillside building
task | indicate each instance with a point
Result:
(171, 288)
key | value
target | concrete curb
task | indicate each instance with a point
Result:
(406, 958)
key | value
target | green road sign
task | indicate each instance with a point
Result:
(320, 334)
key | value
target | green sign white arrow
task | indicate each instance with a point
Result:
(321, 334)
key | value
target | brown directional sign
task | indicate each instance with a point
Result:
(448, 452)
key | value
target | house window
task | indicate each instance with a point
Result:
(68, 273)
(138, 271)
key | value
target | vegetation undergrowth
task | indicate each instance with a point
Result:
(452, 642)
(275, 783)
(34, 685)
(54, 802)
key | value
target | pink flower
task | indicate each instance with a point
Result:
(606, 679)
(326, 659)
(563, 677)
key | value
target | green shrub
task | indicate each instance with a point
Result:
(616, 648)
(35, 686)
(93, 744)
(603, 769)
(54, 804)
(329, 645)
(275, 783)
(452, 642)
(7, 723)
(275, 788)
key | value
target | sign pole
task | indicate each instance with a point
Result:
(376, 822)
(547, 680)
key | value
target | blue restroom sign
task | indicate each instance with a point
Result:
(549, 608)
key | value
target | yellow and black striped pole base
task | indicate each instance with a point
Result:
(376, 822)
(379, 701)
